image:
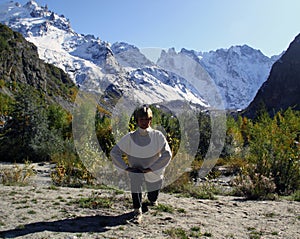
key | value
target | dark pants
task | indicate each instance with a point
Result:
(138, 181)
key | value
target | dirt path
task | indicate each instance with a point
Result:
(41, 211)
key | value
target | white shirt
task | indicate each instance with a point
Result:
(144, 148)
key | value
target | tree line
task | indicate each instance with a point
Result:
(264, 151)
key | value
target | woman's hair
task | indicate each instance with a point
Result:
(143, 112)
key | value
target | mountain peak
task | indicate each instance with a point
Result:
(31, 19)
(31, 5)
(129, 55)
(238, 72)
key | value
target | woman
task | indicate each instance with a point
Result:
(148, 155)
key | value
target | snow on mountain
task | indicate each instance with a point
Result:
(90, 61)
(95, 65)
(197, 76)
(144, 72)
(238, 72)
(130, 56)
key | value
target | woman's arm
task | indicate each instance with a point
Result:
(116, 155)
(164, 159)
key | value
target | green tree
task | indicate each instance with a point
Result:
(205, 134)
(104, 133)
(5, 104)
(59, 121)
(235, 148)
(28, 137)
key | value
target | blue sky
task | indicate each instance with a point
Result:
(201, 25)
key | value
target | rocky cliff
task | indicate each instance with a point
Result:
(20, 64)
(282, 88)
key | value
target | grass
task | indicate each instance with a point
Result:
(164, 208)
(253, 233)
(105, 187)
(180, 233)
(181, 210)
(53, 187)
(22, 207)
(20, 202)
(20, 227)
(31, 212)
(204, 190)
(295, 196)
(270, 214)
(94, 201)
(13, 193)
(176, 233)
(61, 199)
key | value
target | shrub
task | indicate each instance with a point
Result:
(255, 186)
(2, 83)
(17, 175)
(296, 196)
(5, 104)
(274, 150)
(69, 170)
(186, 188)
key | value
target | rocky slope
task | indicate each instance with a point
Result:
(20, 64)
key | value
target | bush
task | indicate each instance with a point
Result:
(186, 188)
(296, 196)
(2, 83)
(274, 151)
(69, 170)
(17, 175)
(254, 187)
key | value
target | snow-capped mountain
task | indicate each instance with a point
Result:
(90, 61)
(238, 72)
(130, 56)
(95, 65)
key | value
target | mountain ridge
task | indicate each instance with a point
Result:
(95, 64)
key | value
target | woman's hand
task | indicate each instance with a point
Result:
(147, 170)
(138, 170)
(133, 170)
